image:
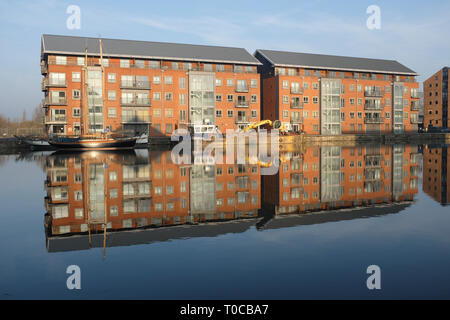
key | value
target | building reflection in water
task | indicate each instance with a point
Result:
(436, 173)
(101, 199)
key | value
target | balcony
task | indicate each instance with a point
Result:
(134, 84)
(242, 104)
(59, 101)
(414, 95)
(44, 68)
(56, 119)
(415, 120)
(241, 88)
(414, 105)
(296, 105)
(136, 119)
(296, 90)
(241, 119)
(373, 93)
(296, 120)
(371, 105)
(47, 83)
(374, 120)
(136, 102)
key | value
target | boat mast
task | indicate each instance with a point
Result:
(84, 95)
(103, 81)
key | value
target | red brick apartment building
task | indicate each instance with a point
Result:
(147, 86)
(436, 173)
(333, 177)
(436, 92)
(128, 191)
(330, 95)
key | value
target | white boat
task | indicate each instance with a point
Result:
(33, 141)
(142, 139)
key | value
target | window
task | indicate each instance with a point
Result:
(182, 83)
(111, 95)
(219, 113)
(156, 79)
(230, 82)
(156, 96)
(230, 98)
(168, 113)
(285, 84)
(305, 85)
(111, 77)
(157, 113)
(187, 66)
(254, 114)
(76, 112)
(174, 65)
(230, 113)
(285, 114)
(112, 113)
(218, 97)
(61, 60)
(207, 67)
(76, 76)
(182, 115)
(220, 67)
(168, 128)
(168, 96)
(76, 94)
(285, 99)
(168, 79)
(253, 98)
(124, 63)
(182, 99)
(305, 99)
(218, 82)
(254, 83)
(80, 61)
(315, 100)
(352, 101)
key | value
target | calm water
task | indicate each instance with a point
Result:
(226, 231)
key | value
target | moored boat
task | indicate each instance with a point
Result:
(92, 142)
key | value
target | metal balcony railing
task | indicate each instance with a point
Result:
(242, 104)
(414, 105)
(55, 119)
(374, 120)
(414, 95)
(296, 120)
(296, 105)
(241, 88)
(373, 93)
(136, 102)
(59, 101)
(53, 83)
(415, 120)
(241, 119)
(296, 90)
(135, 84)
(371, 105)
(136, 119)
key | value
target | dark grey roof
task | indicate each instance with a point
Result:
(320, 61)
(145, 49)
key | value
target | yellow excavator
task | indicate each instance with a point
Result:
(275, 124)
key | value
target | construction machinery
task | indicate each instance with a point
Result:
(273, 124)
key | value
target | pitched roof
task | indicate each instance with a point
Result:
(145, 49)
(320, 61)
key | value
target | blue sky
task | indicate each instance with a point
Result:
(413, 32)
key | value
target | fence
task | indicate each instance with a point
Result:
(9, 132)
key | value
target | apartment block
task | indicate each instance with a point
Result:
(148, 87)
(332, 95)
(436, 173)
(436, 92)
(334, 177)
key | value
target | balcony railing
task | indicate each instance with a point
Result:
(136, 102)
(241, 119)
(371, 105)
(242, 104)
(296, 120)
(135, 84)
(414, 95)
(60, 101)
(136, 119)
(296, 105)
(53, 83)
(55, 119)
(415, 120)
(241, 88)
(373, 93)
(374, 120)
(44, 68)
(414, 105)
(296, 90)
